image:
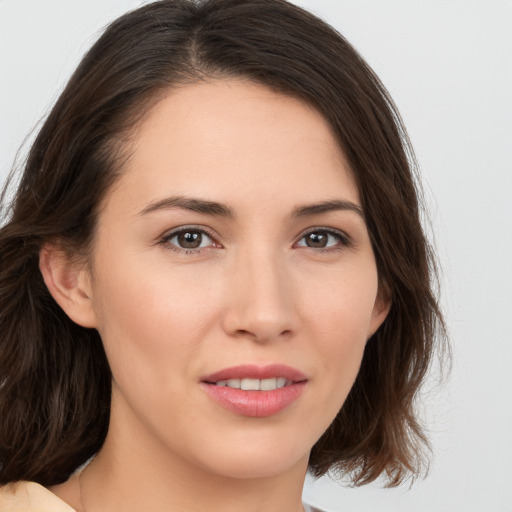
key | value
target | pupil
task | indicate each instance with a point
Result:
(189, 240)
(317, 240)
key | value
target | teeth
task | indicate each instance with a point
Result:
(280, 382)
(250, 384)
(233, 383)
(255, 384)
(268, 384)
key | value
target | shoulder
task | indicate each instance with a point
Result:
(30, 497)
(308, 508)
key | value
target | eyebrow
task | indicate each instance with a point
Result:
(187, 203)
(220, 210)
(327, 206)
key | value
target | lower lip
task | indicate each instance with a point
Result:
(255, 404)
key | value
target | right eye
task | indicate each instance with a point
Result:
(189, 239)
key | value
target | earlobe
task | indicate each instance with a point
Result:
(68, 284)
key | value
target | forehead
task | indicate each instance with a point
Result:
(233, 141)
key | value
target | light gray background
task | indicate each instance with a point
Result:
(448, 65)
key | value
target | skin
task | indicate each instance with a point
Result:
(254, 292)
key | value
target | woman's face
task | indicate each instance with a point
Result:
(232, 254)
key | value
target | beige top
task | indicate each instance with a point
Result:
(32, 497)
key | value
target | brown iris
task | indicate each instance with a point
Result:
(317, 240)
(190, 239)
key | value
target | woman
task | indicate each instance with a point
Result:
(214, 277)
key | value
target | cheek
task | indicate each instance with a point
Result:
(340, 316)
(340, 301)
(151, 320)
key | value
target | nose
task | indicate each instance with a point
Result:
(260, 300)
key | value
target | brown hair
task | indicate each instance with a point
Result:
(55, 382)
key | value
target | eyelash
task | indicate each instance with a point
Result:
(344, 241)
(165, 240)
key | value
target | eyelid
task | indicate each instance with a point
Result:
(168, 235)
(344, 239)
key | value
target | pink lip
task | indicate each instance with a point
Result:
(252, 371)
(255, 404)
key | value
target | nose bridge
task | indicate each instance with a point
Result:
(261, 304)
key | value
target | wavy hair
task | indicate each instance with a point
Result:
(55, 381)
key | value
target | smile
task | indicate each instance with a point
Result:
(255, 391)
(255, 384)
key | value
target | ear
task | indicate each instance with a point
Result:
(68, 283)
(380, 310)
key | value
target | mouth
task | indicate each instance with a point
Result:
(255, 384)
(255, 391)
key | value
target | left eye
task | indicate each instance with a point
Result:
(190, 239)
(321, 239)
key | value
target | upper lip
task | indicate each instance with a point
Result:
(253, 371)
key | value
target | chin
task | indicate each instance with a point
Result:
(257, 460)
